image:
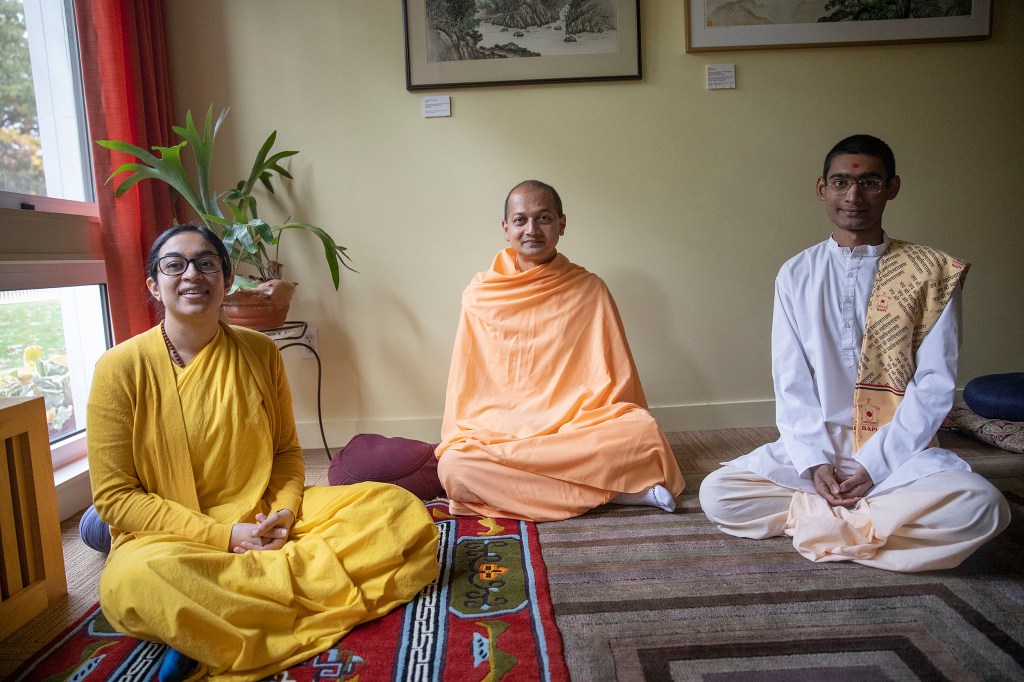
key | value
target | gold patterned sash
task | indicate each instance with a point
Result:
(913, 286)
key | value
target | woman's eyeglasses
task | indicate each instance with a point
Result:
(173, 266)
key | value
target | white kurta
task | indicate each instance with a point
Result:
(821, 299)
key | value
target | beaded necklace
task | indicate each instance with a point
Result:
(170, 347)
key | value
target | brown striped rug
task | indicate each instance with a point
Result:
(643, 595)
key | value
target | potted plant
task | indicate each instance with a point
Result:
(261, 298)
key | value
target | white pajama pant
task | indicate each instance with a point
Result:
(934, 522)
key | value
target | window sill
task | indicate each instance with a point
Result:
(74, 489)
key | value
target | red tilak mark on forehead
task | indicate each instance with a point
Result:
(856, 165)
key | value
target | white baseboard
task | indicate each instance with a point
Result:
(341, 431)
(74, 493)
(670, 418)
(715, 415)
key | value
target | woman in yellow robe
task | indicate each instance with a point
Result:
(218, 551)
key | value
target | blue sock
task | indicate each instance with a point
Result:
(177, 667)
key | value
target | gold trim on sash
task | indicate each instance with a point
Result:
(913, 286)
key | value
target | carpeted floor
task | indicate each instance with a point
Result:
(643, 595)
(488, 616)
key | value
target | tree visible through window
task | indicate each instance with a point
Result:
(21, 154)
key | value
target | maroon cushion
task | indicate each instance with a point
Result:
(370, 457)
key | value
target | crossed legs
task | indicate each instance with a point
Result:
(935, 522)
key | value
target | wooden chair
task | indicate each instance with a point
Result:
(32, 570)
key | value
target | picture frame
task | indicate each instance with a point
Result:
(787, 30)
(550, 53)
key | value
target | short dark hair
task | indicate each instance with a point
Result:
(536, 184)
(204, 232)
(868, 145)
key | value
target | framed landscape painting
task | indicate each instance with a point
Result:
(462, 43)
(756, 24)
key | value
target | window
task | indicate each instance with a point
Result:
(53, 308)
(50, 339)
(43, 144)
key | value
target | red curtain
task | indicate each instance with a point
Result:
(128, 97)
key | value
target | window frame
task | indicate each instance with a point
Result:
(60, 99)
(45, 250)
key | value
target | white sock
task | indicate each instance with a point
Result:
(655, 496)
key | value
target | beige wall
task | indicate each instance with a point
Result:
(685, 201)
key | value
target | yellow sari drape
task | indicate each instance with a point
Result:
(355, 552)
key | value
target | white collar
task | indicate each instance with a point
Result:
(865, 251)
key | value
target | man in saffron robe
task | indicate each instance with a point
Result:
(545, 417)
(865, 338)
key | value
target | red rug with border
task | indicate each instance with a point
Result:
(488, 617)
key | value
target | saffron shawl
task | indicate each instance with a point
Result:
(540, 361)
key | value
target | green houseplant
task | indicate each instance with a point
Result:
(232, 214)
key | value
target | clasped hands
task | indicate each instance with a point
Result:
(269, 532)
(840, 491)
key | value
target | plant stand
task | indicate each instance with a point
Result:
(289, 335)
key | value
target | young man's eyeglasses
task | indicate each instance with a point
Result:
(172, 266)
(841, 184)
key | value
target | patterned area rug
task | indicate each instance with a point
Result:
(644, 595)
(488, 617)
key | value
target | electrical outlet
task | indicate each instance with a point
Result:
(310, 338)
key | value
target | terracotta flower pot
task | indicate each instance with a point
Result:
(265, 307)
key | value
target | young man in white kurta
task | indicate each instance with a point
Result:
(897, 503)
